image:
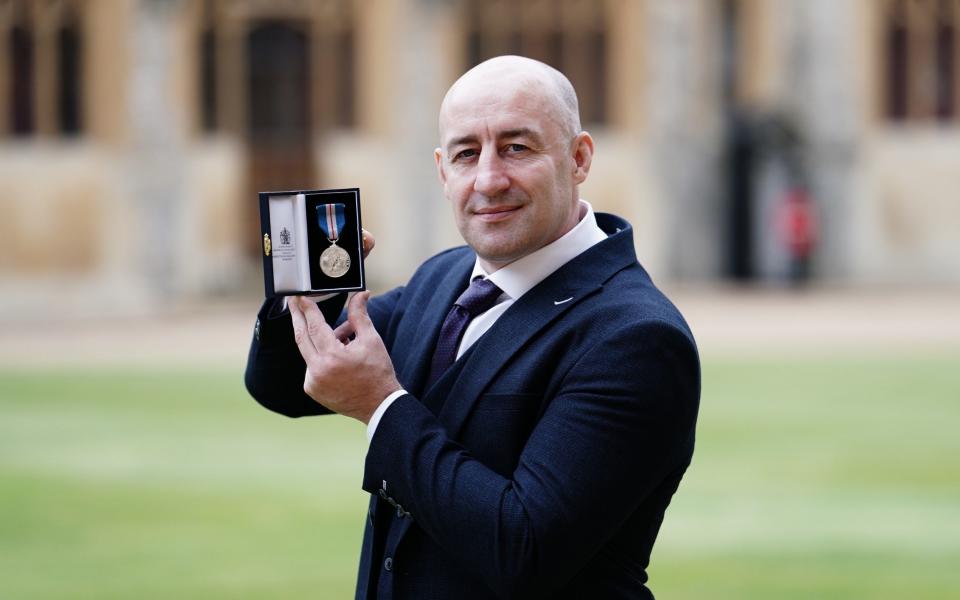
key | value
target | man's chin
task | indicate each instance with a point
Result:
(497, 256)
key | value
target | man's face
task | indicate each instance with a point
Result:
(509, 170)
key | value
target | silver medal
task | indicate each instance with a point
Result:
(335, 261)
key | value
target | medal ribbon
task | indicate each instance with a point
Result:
(331, 218)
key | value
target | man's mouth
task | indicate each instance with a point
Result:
(493, 214)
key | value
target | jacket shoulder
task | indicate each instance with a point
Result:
(630, 296)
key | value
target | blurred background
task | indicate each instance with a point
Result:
(791, 169)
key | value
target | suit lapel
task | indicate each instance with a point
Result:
(449, 286)
(547, 302)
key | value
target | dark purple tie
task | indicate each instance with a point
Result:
(478, 298)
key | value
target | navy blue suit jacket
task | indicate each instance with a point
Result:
(541, 463)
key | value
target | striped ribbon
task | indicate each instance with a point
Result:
(331, 218)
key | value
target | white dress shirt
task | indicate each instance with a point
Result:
(516, 279)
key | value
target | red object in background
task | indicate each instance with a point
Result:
(797, 223)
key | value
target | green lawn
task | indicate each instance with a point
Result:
(832, 479)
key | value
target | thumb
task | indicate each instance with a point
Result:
(368, 242)
(357, 313)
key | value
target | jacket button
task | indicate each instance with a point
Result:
(388, 563)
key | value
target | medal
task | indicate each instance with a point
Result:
(334, 261)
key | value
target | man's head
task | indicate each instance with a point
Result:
(511, 157)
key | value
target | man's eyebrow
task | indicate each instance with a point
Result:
(521, 132)
(464, 139)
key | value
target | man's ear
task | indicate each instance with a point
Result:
(582, 156)
(438, 158)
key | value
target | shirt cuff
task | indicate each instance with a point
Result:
(377, 414)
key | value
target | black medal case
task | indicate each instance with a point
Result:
(293, 241)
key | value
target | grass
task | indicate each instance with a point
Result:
(812, 479)
(120, 485)
(820, 479)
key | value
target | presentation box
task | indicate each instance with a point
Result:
(312, 242)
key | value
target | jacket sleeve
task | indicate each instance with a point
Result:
(620, 425)
(275, 369)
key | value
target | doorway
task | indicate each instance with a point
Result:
(279, 128)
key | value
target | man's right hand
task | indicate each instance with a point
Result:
(350, 379)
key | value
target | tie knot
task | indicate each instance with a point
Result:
(479, 297)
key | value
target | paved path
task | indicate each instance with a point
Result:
(823, 322)
(726, 321)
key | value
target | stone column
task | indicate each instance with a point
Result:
(684, 108)
(821, 92)
(424, 68)
(155, 164)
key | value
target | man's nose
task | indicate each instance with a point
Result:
(491, 175)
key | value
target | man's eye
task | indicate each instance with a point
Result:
(516, 148)
(465, 155)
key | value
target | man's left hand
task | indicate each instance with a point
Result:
(348, 377)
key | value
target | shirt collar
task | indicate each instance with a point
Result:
(520, 276)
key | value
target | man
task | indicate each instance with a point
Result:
(532, 454)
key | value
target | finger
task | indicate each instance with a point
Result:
(301, 334)
(357, 314)
(317, 328)
(344, 332)
(368, 243)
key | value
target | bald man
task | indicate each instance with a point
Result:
(530, 398)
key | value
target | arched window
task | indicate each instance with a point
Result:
(43, 52)
(570, 35)
(344, 57)
(208, 79)
(897, 59)
(207, 71)
(278, 55)
(69, 75)
(946, 60)
(22, 75)
(920, 59)
(329, 64)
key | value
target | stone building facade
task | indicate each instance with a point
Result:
(135, 133)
